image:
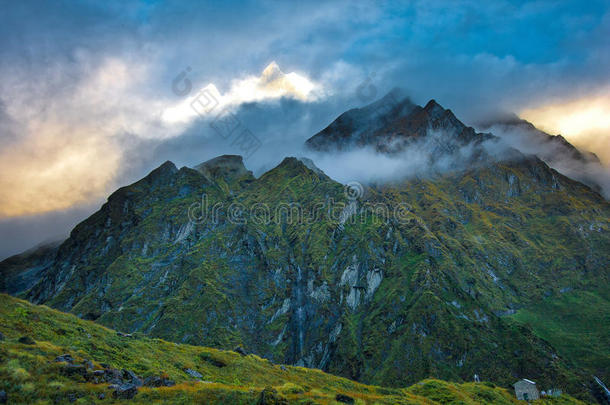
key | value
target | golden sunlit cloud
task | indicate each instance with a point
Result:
(585, 122)
(272, 84)
(69, 146)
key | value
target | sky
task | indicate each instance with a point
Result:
(94, 95)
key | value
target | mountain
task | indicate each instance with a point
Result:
(22, 271)
(498, 269)
(391, 124)
(556, 143)
(78, 361)
(555, 150)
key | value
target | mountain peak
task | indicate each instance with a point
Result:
(292, 166)
(225, 166)
(431, 105)
(311, 165)
(555, 145)
(389, 124)
(161, 173)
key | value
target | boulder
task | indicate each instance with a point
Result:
(113, 376)
(269, 396)
(153, 381)
(64, 358)
(26, 340)
(193, 373)
(344, 398)
(240, 350)
(71, 370)
(216, 362)
(125, 391)
(131, 377)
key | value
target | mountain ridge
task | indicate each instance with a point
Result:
(383, 296)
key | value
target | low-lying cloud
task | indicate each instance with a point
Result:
(530, 141)
(432, 155)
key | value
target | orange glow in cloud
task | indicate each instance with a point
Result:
(68, 147)
(585, 122)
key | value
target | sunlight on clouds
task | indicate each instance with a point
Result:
(272, 84)
(51, 172)
(71, 142)
(68, 149)
(584, 122)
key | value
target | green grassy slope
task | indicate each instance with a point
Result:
(29, 374)
(577, 324)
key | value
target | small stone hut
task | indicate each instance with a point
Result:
(526, 390)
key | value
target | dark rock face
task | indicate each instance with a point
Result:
(22, 271)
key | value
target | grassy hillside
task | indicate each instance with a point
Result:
(30, 374)
(577, 324)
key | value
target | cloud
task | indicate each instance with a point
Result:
(272, 84)
(529, 141)
(432, 155)
(585, 121)
(73, 145)
(71, 125)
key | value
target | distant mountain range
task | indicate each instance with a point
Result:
(498, 267)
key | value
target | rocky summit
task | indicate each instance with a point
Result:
(498, 269)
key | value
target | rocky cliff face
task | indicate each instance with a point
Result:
(22, 271)
(415, 278)
(393, 123)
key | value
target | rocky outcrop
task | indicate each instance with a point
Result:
(226, 167)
